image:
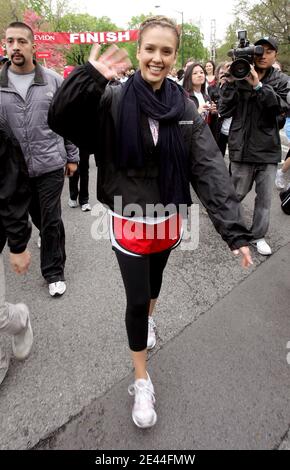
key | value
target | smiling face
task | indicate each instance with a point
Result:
(156, 54)
(20, 49)
(209, 68)
(197, 77)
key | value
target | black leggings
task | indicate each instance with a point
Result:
(142, 279)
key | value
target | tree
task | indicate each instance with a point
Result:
(268, 18)
(57, 60)
(193, 43)
(11, 10)
(51, 10)
(78, 53)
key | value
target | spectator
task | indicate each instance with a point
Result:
(79, 184)
(194, 84)
(26, 90)
(255, 105)
(221, 127)
(210, 73)
(280, 180)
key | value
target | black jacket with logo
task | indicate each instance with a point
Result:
(254, 134)
(85, 110)
(14, 193)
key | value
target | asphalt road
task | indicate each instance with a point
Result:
(220, 366)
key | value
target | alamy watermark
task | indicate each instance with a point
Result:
(100, 229)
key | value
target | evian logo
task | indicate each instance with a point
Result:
(44, 37)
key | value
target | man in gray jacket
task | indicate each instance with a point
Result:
(26, 90)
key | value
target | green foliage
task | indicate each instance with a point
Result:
(11, 10)
(36, 5)
(267, 18)
(78, 53)
(135, 21)
(192, 44)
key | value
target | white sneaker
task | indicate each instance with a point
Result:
(57, 288)
(72, 203)
(143, 413)
(23, 341)
(280, 180)
(86, 207)
(151, 339)
(4, 365)
(262, 247)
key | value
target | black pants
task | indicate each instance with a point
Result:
(222, 143)
(45, 211)
(82, 176)
(142, 279)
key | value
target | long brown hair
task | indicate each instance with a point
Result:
(187, 81)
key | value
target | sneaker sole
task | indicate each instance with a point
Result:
(57, 294)
(151, 347)
(144, 426)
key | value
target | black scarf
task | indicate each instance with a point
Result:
(166, 106)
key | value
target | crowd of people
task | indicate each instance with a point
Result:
(156, 134)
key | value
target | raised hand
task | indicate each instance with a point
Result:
(112, 62)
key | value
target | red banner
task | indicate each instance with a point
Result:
(86, 38)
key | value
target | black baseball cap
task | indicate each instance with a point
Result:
(271, 41)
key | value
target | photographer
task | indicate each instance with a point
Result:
(255, 102)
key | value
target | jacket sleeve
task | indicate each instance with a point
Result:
(75, 108)
(211, 181)
(72, 152)
(228, 101)
(274, 98)
(14, 196)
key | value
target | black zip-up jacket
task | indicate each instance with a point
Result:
(254, 134)
(85, 111)
(14, 193)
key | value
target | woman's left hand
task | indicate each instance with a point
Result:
(246, 256)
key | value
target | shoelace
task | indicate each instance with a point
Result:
(141, 393)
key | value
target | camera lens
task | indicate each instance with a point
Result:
(240, 69)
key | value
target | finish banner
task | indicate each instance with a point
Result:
(86, 38)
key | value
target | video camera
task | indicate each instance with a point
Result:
(243, 56)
